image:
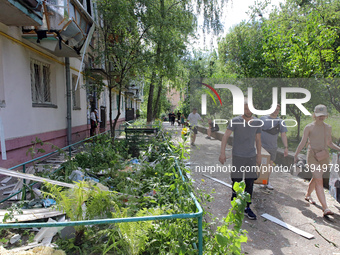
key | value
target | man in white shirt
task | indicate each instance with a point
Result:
(193, 119)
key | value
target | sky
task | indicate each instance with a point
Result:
(234, 13)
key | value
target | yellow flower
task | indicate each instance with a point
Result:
(156, 173)
(184, 131)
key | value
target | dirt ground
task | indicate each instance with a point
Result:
(286, 202)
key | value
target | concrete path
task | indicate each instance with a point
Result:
(286, 202)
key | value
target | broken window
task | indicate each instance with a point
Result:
(88, 7)
(40, 82)
(75, 93)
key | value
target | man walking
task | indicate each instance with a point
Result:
(193, 119)
(272, 126)
(247, 132)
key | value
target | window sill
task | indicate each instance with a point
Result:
(76, 108)
(41, 105)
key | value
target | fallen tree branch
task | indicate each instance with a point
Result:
(329, 241)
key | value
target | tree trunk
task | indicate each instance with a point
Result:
(157, 61)
(298, 119)
(110, 111)
(78, 240)
(118, 113)
(150, 98)
(156, 109)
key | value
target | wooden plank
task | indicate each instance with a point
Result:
(287, 226)
(219, 181)
(29, 211)
(16, 188)
(6, 187)
(46, 234)
(27, 247)
(34, 178)
(4, 181)
(9, 192)
(35, 214)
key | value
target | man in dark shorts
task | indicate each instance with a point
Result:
(193, 119)
(247, 131)
(179, 118)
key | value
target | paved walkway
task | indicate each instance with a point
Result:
(286, 203)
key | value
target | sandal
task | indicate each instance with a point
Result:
(310, 200)
(327, 211)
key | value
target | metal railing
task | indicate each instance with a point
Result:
(198, 214)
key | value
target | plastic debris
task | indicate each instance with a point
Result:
(150, 194)
(48, 202)
(134, 161)
(78, 175)
(15, 238)
(39, 203)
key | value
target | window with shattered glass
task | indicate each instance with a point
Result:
(40, 82)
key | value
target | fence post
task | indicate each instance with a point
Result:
(200, 235)
(24, 183)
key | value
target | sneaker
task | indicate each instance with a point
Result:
(249, 213)
(270, 186)
(208, 137)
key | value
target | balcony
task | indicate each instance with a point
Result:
(65, 28)
(133, 91)
(20, 13)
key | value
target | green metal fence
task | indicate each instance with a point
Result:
(198, 214)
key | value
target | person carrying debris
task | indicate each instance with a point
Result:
(319, 135)
(247, 132)
(272, 126)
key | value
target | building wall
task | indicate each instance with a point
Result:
(23, 122)
(175, 97)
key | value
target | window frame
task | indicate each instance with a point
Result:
(42, 86)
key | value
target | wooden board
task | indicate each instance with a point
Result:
(33, 178)
(32, 214)
(287, 226)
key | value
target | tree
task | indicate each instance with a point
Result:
(121, 46)
(176, 22)
(299, 40)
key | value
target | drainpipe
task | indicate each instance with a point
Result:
(69, 103)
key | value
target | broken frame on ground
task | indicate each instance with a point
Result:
(198, 214)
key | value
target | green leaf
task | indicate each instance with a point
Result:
(222, 240)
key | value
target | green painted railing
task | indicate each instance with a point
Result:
(198, 214)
